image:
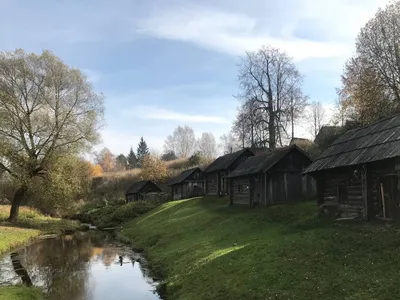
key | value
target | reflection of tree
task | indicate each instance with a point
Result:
(60, 265)
(19, 269)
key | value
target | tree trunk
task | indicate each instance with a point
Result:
(18, 197)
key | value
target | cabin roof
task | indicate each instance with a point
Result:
(225, 161)
(374, 142)
(181, 177)
(136, 187)
(263, 162)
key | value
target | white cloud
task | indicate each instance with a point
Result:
(234, 32)
(158, 113)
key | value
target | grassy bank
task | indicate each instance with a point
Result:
(20, 293)
(207, 250)
(115, 215)
(30, 225)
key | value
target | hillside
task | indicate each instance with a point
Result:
(207, 250)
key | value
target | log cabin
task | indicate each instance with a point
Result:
(188, 184)
(271, 178)
(139, 189)
(358, 176)
(216, 173)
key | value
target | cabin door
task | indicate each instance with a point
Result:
(389, 197)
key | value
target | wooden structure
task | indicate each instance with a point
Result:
(139, 189)
(271, 178)
(188, 184)
(358, 175)
(216, 173)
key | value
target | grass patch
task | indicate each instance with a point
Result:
(115, 215)
(11, 237)
(207, 250)
(33, 219)
(20, 293)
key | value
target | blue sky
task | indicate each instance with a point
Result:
(165, 63)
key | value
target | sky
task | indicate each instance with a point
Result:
(164, 63)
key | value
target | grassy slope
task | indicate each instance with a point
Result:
(206, 250)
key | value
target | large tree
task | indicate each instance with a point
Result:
(207, 145)
(182, 142)
(371, 80)
(228, 143)
(46, 109)
(269, 78)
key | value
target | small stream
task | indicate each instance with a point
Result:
(81, 266)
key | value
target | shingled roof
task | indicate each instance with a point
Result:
(181, 177)
(262, 162)
(370, 143)
(136, 187)
(225, 161)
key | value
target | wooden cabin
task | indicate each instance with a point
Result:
(216, 173)
(271, 178)
(188, 184)
(358, 176)
(139, 189)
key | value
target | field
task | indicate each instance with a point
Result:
(204, 249)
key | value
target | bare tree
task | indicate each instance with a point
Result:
(106, 160)
(207, 145)
(317, 115)
(46, 108)
(270, 79)
(228, 143)
(182, 141)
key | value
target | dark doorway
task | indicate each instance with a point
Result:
(389, 197)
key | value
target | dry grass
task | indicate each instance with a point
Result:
(32, 218)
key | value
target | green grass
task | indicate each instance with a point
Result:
(20, 293)
(115, 215)
(11, 237)
(204, 249)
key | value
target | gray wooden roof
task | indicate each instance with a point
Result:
(370, 143)
(136, 187)
(225, 161)
(262, 162)
(181, 177)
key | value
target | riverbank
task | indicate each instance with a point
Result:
(206, 250)
(30, 225)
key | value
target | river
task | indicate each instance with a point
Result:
(81, 266)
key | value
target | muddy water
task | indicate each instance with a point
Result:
(82, 266)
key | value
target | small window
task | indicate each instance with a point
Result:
(239, 188)
(176, 190)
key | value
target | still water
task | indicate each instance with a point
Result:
(82, 266)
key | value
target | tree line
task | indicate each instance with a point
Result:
(50, 115)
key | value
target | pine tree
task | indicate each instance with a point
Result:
(142, 151)
(132, 160)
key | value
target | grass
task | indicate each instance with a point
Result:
(204, 249)
(115, 215)
(33, 219)
(20, 293)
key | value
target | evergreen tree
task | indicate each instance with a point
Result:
(132, 160)
(142, 151)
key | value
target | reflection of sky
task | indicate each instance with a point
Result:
(106, 279)
(117, 282)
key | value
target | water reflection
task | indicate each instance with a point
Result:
(79, 267)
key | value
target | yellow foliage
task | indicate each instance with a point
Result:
(95, 170)
(153, 168)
